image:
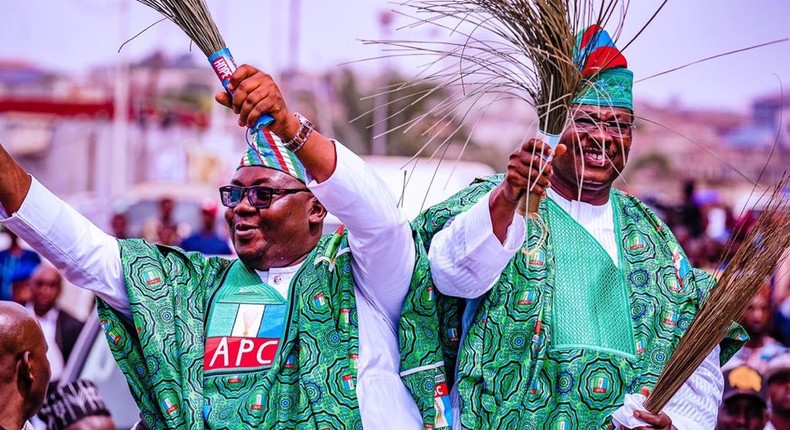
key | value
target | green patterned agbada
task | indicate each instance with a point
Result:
(564, 334)
(297, 371)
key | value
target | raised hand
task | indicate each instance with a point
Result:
(255, 93)
(527, 167)
(527, 170)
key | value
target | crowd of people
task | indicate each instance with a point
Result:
(163, 228)
(758, 376)
(472, 316)
(754, 400)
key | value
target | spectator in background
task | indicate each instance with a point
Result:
(11, 260)
(119, 224)
(781, 279)
(24, 369)
(761, 347)
(20, 283)
(778, 379)
(781, 294)
(76, 406)
(740, 230)
(743, 405)
(61, 330)
(207, 241)
(164, 229)
(782, 314)
(690, 213)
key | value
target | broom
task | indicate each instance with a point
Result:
(752, 263)
(546, 33)
(531, 57)
(194, 19)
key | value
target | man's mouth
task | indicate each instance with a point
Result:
(595, 157)
(244, 231)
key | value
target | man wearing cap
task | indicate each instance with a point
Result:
(77, 405)
(298, 332)
(743, 401)
(777, 377)
(558, 328)
(207, 241)
(14, 262)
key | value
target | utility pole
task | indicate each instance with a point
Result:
(293, 35)
(378, 144)
(119, 159)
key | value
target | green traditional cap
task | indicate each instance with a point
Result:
(608, 82)
(268, 150)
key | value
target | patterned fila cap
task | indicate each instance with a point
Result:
(268, 150)
(70, 403)
(608, 80)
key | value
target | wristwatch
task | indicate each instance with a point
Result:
(302, 134)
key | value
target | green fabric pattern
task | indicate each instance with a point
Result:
(580, 287)
(311, 381)
(428, 336)
(510, 375)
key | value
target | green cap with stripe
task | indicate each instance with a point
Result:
(268, 150)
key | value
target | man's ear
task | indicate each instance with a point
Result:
(24, 372)
(317, 211)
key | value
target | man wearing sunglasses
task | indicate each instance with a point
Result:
(298, 332)
(569, 315)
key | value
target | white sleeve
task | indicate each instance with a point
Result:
(379, 235)
(88, 257)
(696, 404)
(467, 258)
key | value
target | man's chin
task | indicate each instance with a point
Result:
(253, 262)
(247, 255)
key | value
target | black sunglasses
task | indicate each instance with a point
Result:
(259, 196)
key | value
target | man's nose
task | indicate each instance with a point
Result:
(244, 206)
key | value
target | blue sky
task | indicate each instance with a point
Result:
(73, 35)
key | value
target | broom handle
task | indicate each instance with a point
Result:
(529, 202)
(224, 66)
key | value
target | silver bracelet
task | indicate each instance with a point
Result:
(302, 134)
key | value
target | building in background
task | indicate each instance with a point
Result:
(60, 127)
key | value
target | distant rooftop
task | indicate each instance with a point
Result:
(773, 100)
(162, 60)
(16, 72)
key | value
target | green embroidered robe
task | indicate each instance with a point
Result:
(297, 373)
(550, 347)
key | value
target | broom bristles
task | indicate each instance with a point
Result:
(194, 19)
(545, 32)
(752, 264)
(538, 37)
